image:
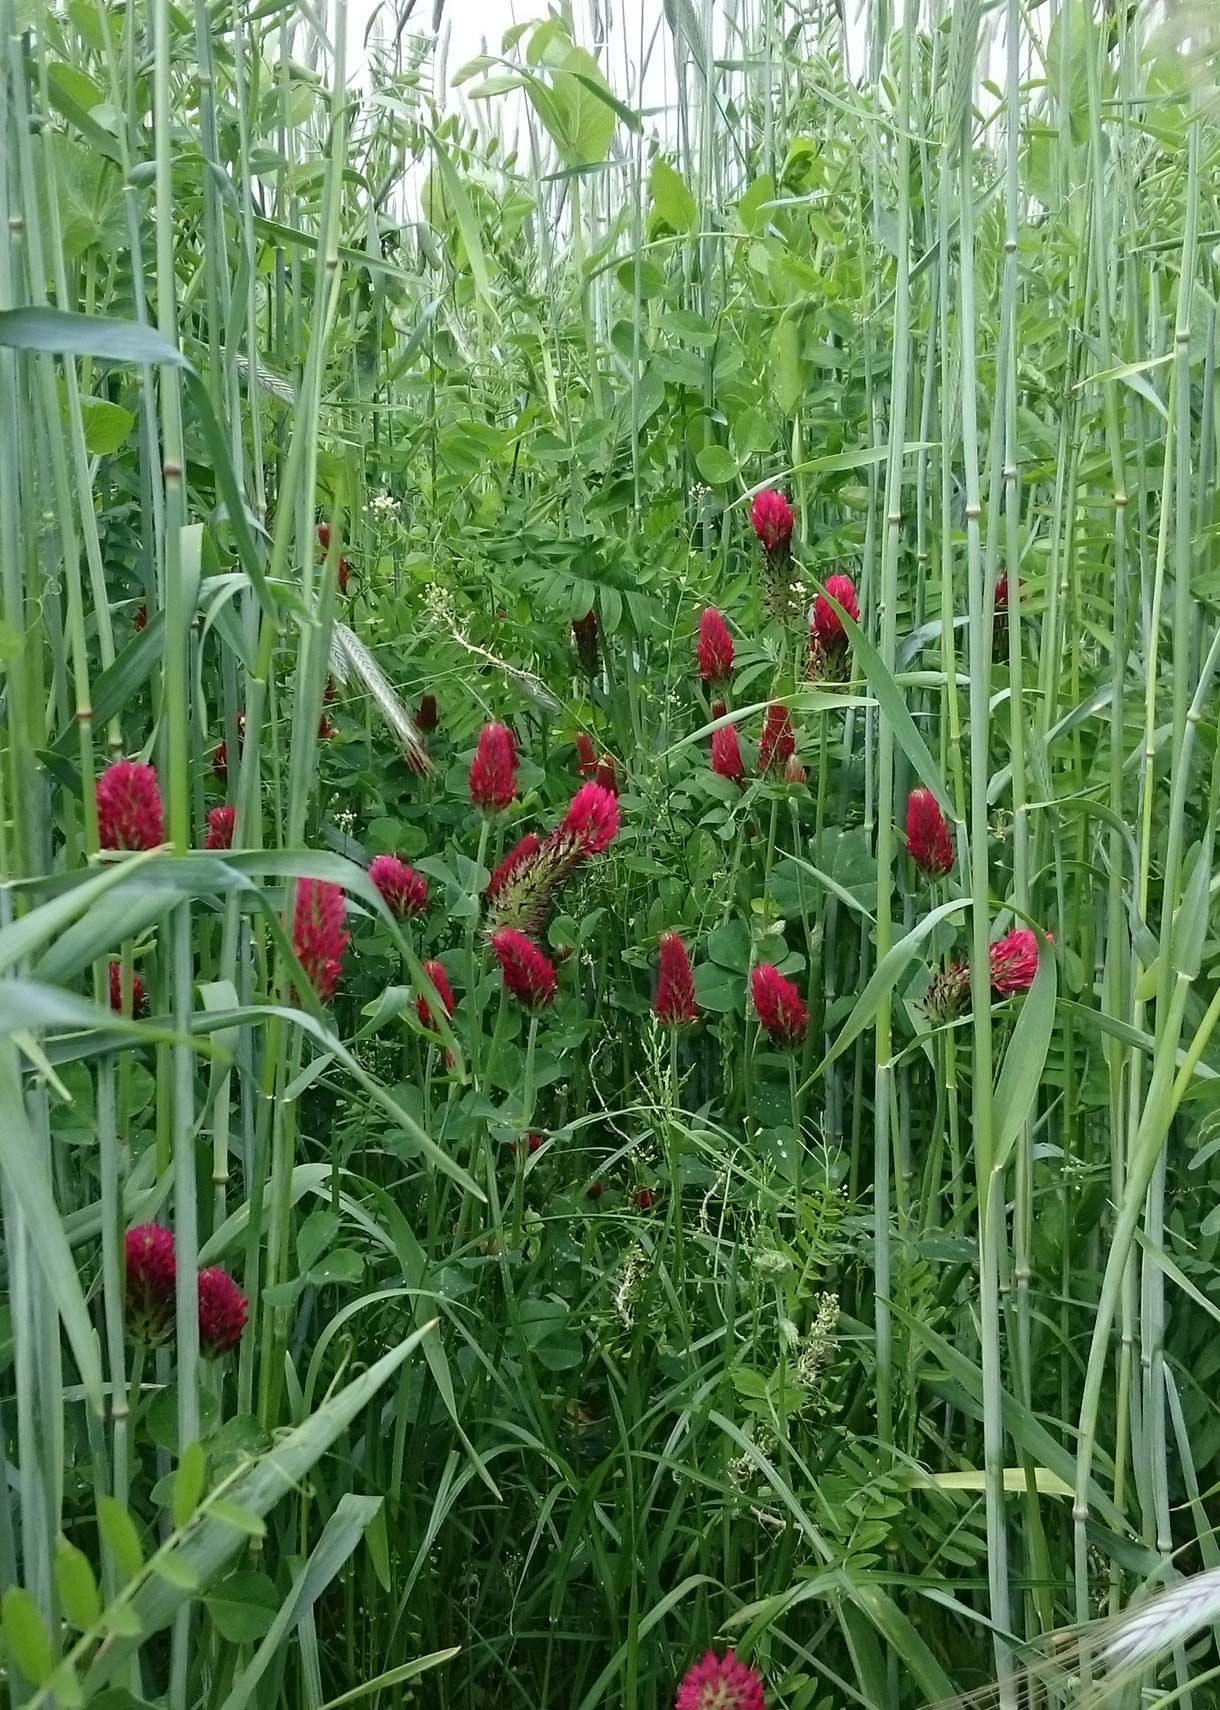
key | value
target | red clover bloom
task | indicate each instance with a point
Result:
(585, 634)
(772, 520)
(828, 635)
(528, 974)
(221, 821)
(493, 771)
(720, 1683)
(714, 649)
(318, 935)
(116, 991)
(129, 813)
(929, 840)
(675, 1005)
(778, 1006)
(223, 1310)
(1014, 962)
(726, 754)
(150, 1282)
(404, 891)
(444, 992)
(778, 744)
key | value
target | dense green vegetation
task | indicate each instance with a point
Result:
(488, 1352)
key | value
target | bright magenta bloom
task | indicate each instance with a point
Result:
(444, 991)
(221, 821)
(778, 744)
(929, 840)
(116, 993)
(772, 520)
(586, 756)
(223, 1310)
(129, 814)
(527, 972)
(318, 936)
(493, 771)
(715, 648)
(510, 868)
(1014, 962)
(404, 891)
(606, 774)
(829, 636)
(675, 1005)
(726, 754)
(150, 1281)
(720, 1683)
(591, 823)
(778, 1006)
(585, 632)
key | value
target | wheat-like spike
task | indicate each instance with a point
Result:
(350, 657)
(269, 380)
(1140, 1635)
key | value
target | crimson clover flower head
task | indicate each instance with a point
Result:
(129, 812)
(1014, 962)
(517, 858)
(778, 743)
(606, 774)
(586, 755)
(585, 634)
(151, 1280)
(493, 771)
(528, 973)
(140, 621)
(726, 754)
(318, 934)
(929, 840)
(404, 891)
(794, 771)
(772, 520)
(221, 824)
(645, 1198)
(116, 992)
(444, 992)
(714, 649)
(828, 634)
(427, 715)
(223, 1311)
(720, 1683)
(592, 821)
(948, 993)
(675, 1005)
(777, 1003)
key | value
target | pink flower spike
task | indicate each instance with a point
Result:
(720, 1683)
(726, 754)
(129, 812)
(772, 520)
(1014, 962)
(777, 1003)
(151, 1281)
(318, 935)
(404, 891)
(493, 771)
(221, 823)
(676, 1005)
(777, 744)
(444, 991)
(929, 840)
(528, 973)
(592, 820)
(715, 648)
(828, 632)
(223, 1310)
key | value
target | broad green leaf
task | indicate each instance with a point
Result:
(672, 203)
(63, 333)
(76, 1586)
(26, 1637)
(120, 1536)
(468, 225)
(716, 465)
(243, 1607)
(107, 425)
